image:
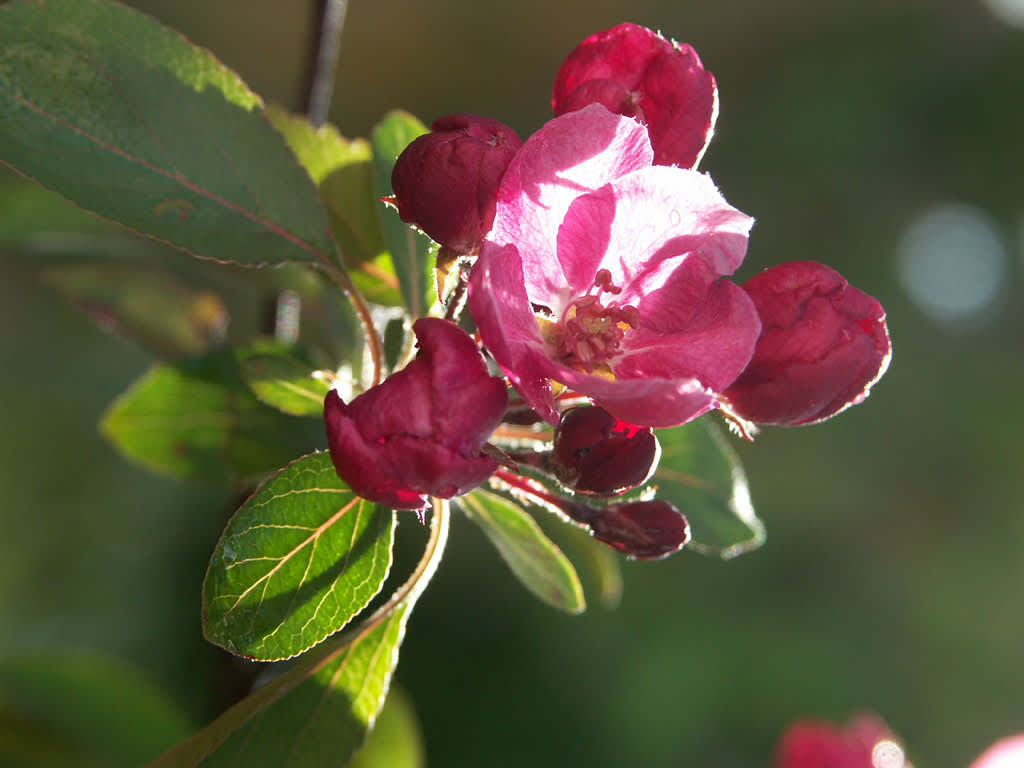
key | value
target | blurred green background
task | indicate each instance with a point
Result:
(883, 137)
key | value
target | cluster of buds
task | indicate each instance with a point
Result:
(600, 268)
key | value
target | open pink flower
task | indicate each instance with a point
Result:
(420, 432)
(601, 272)
(823, 344)
(635, 72)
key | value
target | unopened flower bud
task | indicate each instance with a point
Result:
(446, 181)
(645, 530)
(596, 453)
(635, 72)
(421, 431)
(823, 343)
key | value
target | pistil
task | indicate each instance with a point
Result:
(589, 333)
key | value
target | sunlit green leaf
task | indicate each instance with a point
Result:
(145, 304)
(319, 711)
(410, 249)
(198, 421)
(343, 170)
(277, 375)
(77, 709)
(599, 567)
(128, 119)
(395, 741)
(300, 558)
(316, 714)
(532, 557)
(701, 474)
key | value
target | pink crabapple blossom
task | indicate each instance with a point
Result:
(602, 273)
(637, 73)
(420, 432)
(823, 344)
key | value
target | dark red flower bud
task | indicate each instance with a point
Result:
(864, 743)
(446, 181)
(645, 530)
(420, 432)
(823, 344)
(637, 73)
(596, 453)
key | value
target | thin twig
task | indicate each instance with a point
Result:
(323, 64)
(342, 279)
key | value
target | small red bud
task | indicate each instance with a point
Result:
(596, 453)
(446, 181)
(823, 343)
(646, 530)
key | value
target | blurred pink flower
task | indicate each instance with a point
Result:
(601, 272)
(865, 743)
(637, 73)
(420, 432)
(823, 344)
(1007, 753)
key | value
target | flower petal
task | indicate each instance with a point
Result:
(643, 227)
(502, 311)
(715, 346)
(651, 402)
(569, 156)
(466, 402)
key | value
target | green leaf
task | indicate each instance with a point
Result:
(26, 209)
(81, 709)
(343, 170)
(316, 714)
(198, 421)
(599, 567)
(145, 304)
(395, 741)
(409, 248)
(279, 377)
(131, 121)
(532, 556)
(297, 561)
(701, 474)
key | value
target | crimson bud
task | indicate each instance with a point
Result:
(420, 432)
(446, 181)
(596, 453)
(645, 530)
(635, 72)
(823, 343)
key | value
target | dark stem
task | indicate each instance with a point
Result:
(330, 19)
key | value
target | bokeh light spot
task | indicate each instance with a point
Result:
(952, 262)
(887, 754)
(1007, 11)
